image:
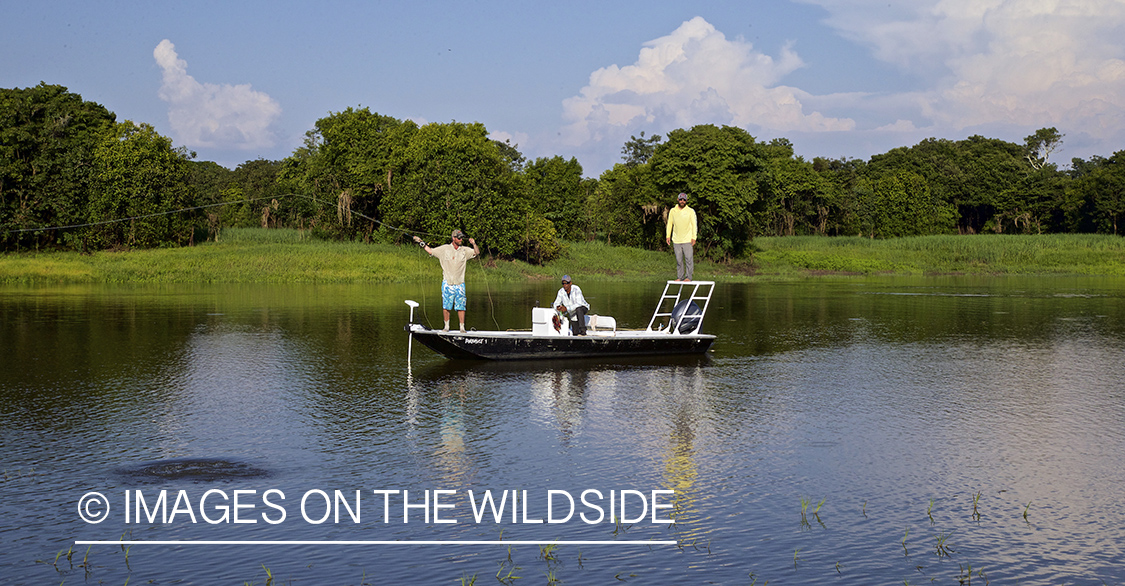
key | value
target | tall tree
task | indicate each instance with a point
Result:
(841, 177)
(795, 199)
(511, 154)
(1038, 147)
(717, 167)
(628, 209)
(347, 163)
(47, 141)
(1099, 193)
(453, 176)
(986, 179)
(557, 192)
(208, 181)
(638, 151)
(263, 202)
(138, 176)
(901, 203)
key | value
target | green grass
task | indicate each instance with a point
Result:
(289, 256)
(240, 256)
(1071, 254)
(597, 259)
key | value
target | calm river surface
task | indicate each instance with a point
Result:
(939, 430)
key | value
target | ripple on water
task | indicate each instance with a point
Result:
(192, 470)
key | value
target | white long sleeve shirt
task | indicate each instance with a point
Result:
(571, 301)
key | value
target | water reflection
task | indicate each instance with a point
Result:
(227, 389)
(559, 396)
(687, 411)
(451, 455)
(876, 395)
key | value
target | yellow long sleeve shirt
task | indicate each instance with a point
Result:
(681, 225)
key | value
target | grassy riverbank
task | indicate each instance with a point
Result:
(286, 256)
(993, 254)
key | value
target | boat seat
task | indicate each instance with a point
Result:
(600, 323)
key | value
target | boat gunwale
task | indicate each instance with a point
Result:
(521, 334)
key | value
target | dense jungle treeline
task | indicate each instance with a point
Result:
(72, 176)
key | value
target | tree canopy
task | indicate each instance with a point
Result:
(138, 174)
(65, 162)
(48, 137)
(389, 178)
(452, 176)
(718, 167)
(557, 191)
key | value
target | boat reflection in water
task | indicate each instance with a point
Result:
(663, 400)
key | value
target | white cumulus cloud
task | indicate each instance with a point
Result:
(1031, 63)
(515, 139)
(898, 126)
(215, 116)
(695, 75)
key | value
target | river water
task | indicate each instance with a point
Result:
(940, 430)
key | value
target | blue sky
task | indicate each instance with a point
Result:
(236, 81)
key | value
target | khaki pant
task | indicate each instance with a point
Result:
(685, 264)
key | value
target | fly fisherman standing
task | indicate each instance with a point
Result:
(453, 258)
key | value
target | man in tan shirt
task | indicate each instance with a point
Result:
(453, 258)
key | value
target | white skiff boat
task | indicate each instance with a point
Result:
(673, 329)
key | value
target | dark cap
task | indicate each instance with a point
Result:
(683, 197)
(457, 234)
(566, 278)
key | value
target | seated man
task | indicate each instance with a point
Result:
(571, 302)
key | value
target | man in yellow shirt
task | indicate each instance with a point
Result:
(682, 229)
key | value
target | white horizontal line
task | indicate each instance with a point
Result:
(404, 542)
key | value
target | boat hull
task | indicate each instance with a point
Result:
(525, 346)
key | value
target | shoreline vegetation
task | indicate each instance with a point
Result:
(255, 255)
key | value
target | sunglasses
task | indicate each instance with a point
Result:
(566, 282)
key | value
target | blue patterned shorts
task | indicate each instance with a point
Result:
(453, 296)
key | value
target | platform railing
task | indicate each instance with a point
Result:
(676, 297)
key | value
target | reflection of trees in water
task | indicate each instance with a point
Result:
(560, 395)
(787, 317)
(225, 383)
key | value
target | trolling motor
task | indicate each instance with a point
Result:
(410, 343)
